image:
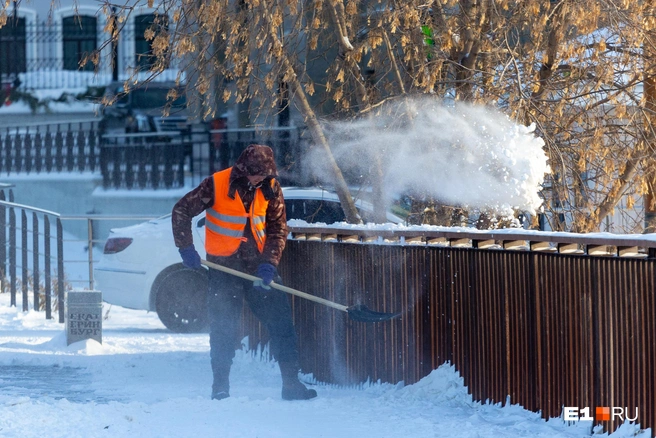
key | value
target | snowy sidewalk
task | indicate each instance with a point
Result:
(144, 381)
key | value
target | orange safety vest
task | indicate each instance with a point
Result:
(226, 220)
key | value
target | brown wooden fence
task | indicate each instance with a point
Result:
(545, 325)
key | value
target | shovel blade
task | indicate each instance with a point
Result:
(362, 313)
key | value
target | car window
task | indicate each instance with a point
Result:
(148, 98)
(312, 211)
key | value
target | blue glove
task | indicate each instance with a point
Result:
(190, 257)
(266, 271)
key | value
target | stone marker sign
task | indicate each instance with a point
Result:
(83, 316)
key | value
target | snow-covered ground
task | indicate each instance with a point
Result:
(144, 381)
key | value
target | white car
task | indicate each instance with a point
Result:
(141, 267)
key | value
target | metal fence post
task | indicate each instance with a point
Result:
(12, 255)
(46, 266)
(3, 237)
(60, 270)
(90, 235)
(35, 260)
(24, 276)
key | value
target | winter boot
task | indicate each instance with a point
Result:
(221, 385)
(219, 395)
(292, 389)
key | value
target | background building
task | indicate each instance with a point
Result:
(43, 47)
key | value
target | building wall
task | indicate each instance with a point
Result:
(44, 46)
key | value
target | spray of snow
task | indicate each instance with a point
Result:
(458, 154)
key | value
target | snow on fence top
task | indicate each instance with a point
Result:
(597, 244)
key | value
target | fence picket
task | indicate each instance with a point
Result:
(38, 146)
(130, 162)
(18, 152)
(46, 266)
(8, 165)
(48, 144)
(82, 150)
(27, 148)
(59, 150)
(142, 174)
(92, 155)
(70, 145)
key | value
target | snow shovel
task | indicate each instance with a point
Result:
(358, 312)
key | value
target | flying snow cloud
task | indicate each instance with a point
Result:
(459, 154)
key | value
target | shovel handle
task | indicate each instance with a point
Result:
(280, 287)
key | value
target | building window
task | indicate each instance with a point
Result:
(79, 41)
(143, 48)
(13, 48)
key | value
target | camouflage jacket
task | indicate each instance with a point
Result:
(255, 160)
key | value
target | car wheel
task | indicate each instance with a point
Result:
(181, 299)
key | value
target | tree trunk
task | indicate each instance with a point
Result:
(649, 198)
(617, 190)
(349, 64)
(310, 117)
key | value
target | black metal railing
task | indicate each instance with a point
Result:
(225, 145)
(144, 161)
(35, 247)
(57, 147)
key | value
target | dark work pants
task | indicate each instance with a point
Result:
(225, 300)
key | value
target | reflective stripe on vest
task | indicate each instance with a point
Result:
(260, 229)
(226, 220)
(225, 231)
